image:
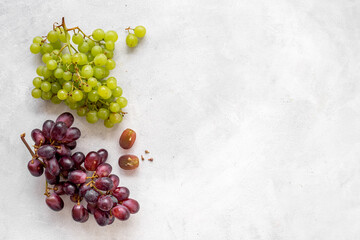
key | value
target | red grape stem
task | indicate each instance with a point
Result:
(34, 155)
(47, 192)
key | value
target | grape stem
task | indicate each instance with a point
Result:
(46, 189)
(22, 136)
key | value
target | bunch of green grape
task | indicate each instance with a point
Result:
(77, 73)
(132, 39)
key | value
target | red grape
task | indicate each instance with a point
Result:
(132, 205)
(104, 202)
(47, 126)
(121, 193)
(79, 213)
(54, 202)
(38, 136)
(35, 167)
(58, 131)
(104, 184)
(46, 151)
(120, 212)
(92, 160)
(103, 155)
(103, 170)
(77, 177)
(66, 118)
(127, 138)
(128, 162)
(115, 179)
(66, 163)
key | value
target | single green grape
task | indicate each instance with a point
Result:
(111, 83)
(106, 72)
(86, 88)
(83, 59)
(58, 73)
(81, 111)
(56, 45)
(37, 40)
(53, 36)
(67, 76)
(55, 100)
(114, 107)
(109, 54)
(108, 123)
(37, 82)
(131, 40)
(99, 72)
(47, 72)
(77, 95)
(35, 48)
(92, 82)
(76, 58)
(110, 64)
(140, 31)
(66, 58)
(63, 37)
(36, 93)
(93, 96)
(103, 113)
(98, 34)
(51, 64)
(62, 94)
(89, 56)
(61, 81)
(115, 117)
(83, 47)
(91, 116)
(47, 48)
(111, 36)
(110, 45)
(39, 70)
(46, 95)
(117, 92)
(77, 38)
(55, 87)
(104, 92)
(73, 105)
(91, 43)
(46, 57)
(100, 59)
(122, 102)
(96, 50)
(45, 86)
(87, 71)
(67, 86)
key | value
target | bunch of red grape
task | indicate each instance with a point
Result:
(76, 175)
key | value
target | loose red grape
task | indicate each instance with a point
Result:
(127, 138)
(128, 162)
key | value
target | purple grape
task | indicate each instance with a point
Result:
(53, 167)
(101, 217)
(104, 184)
(92, 160)
(104, 203)
(132, 205)
(103, 155)
(58, 131)
(54, 202)
(111, 219)
(71, 145)
(66, 118)
(91, 207)
(91, 196)
(66, 163)
(47, 126)
(38, 136)
(120, 212)
(121, 193)
(72, 134)
(50, 178)
(77, 177)
(46, 151)
(35, 167)
(83, 188)
(103, 170)
(115, 179)
(70, 188)
(59, 188)
(114, 199)
(79, 213)
(63, 150)
(78, 158)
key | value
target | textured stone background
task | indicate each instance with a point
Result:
(251, 110)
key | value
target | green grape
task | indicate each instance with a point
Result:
(81, 111)
(131, 40)
(115, 117)
(36, 93)
(53, 36)
(140, 31)
(99, 72)
(45, 86)
(100, 59)
(111, 36)
(56, 45)
(55, 87)
(87, 71)
(89, 56)
(76, 58)
(109, 54)
(66, 58)
(35, 48)
(82, 102)
(61, 81)
(75, 76)
(104, 92)
(106, 72)
(70, 99)
(47, 48)
(63, 37)
(110, 45)
(77, 38)
(108, 123)
(62, 94)
(110, 64)
(83, 59)
(114, 107)
(103, 113)
(91, 116)
(90, 42)
(73, 105)
(55, 54)
(47, 72)
(122, 102)
(37, 82)
(39, 70)
(92, 82)
(51, 64)
(58, 73)
(83, 47)
(77, 95)
(67, 86)
(55, 100)
(117, 92)
(67, 76)
(46, 57)
(111, 83)
(46, 95)
(37, 40)
(86, 88)
(93, 96)
(98, 34)
(96, 50)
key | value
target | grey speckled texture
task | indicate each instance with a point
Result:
(251, 110)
